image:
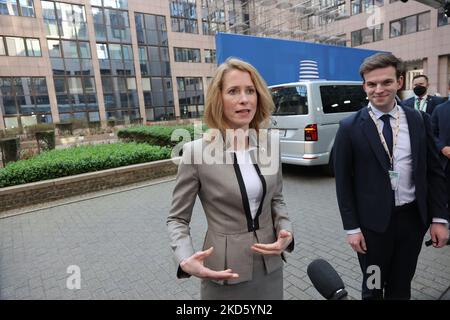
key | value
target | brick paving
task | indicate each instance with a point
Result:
(119, 241)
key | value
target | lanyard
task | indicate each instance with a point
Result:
(380, 133)
(421, 104)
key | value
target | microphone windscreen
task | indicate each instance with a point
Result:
(324, 278)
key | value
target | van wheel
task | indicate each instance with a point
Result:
(329, 168)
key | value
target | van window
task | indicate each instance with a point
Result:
(290, 100)
(343, 98)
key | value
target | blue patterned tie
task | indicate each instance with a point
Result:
(387, 131)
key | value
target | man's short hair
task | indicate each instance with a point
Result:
(381, 60)
(420, 76)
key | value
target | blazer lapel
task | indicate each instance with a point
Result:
(370, 131)
(429, 105)
(413, 134)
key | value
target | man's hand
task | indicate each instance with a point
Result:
(194, 266)
(357, 242)
(439, 234)
(276, 248)
(446, 151)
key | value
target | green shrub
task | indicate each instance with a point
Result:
(71, 161)
(154, 135)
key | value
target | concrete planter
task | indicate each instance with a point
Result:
(43, 191)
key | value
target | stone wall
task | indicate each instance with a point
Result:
(39, 192)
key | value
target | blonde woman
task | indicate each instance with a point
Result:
(248, 224)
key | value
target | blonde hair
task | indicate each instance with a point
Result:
(214, 105)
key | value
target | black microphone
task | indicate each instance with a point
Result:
(326, 280)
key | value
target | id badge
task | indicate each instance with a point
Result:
(394, 176)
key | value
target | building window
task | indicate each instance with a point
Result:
(64, 20)
(117, 4)
(210, 56)
(20, 47)
(367, 35)
(22, 8)
(111, 25)
(154, 60)
(71, 60)
(190, 97)
(411, 24)
(443, 20)
(213, 17)
(361, 6)
(115, 55)
(187, 55)
(24, 101)
(2, 47)
(183, 15)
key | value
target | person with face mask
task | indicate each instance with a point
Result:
(421, 100)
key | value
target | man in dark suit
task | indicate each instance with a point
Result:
(440, 120)
(389, 183)
(421, 100)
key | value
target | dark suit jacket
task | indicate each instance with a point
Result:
(432, 102)
(440, 120)
(363, 186)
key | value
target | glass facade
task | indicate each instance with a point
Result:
(213, 16)
(24, 101)
(210, 56)
(190, 97)
(411, 24)
(367, 35)
(20, 47)
(187, 55)
(115, 55)
(71, 60)
(443, 20)
(22, 8)
(154, 61)
(361, 6)
(183, 15)
(146, 90)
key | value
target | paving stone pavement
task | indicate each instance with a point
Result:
(120, 244)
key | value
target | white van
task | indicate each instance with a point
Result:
(307, 113)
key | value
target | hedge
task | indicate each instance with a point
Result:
(82, 159)
(155, 135)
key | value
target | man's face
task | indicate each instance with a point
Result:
(421, 81)
(381, 86)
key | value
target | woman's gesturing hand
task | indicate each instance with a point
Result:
(276, 248)
(194, 266)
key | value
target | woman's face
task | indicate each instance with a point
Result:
(239, 99)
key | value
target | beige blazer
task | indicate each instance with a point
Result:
(231, 229)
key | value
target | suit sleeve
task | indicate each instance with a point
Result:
(183, 199)
(279, 210)
(435, 126)
(437, 190)
(343, 171)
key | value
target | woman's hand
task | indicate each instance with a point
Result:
(276, 248)
(194, 266)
